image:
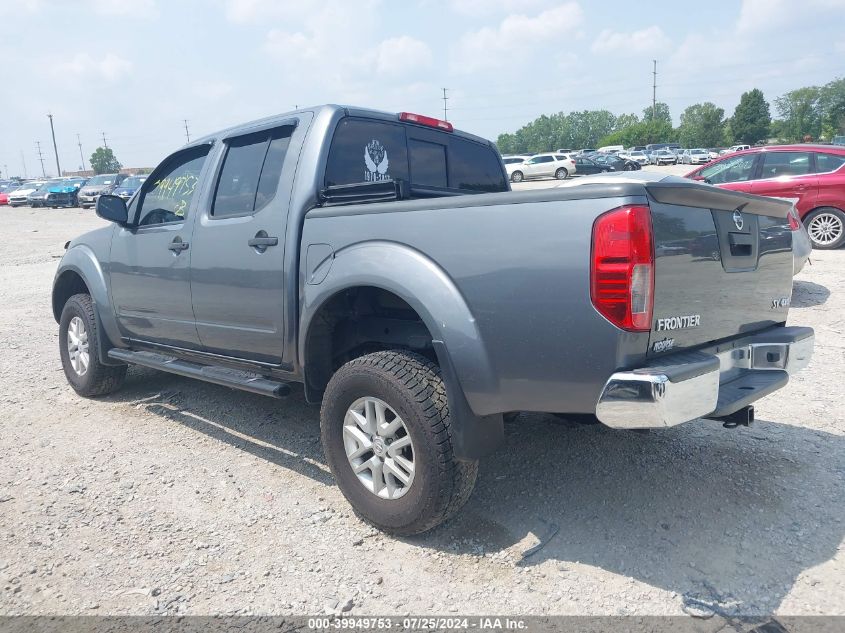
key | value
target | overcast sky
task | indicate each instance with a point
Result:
(135, 69)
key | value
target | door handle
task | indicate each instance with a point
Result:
(177, 245)
(261, 242)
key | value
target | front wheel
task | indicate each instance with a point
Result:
(385, 429)
(562, 173)
(517, 176)
(826, 227)
(79, 348)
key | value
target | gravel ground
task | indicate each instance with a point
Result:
(180, 497)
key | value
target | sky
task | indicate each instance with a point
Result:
(136, 69)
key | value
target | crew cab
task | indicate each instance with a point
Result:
(381, 261)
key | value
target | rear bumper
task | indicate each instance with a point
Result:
(709, 383)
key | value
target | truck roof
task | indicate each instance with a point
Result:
(331, 108)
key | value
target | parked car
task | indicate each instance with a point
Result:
(4, 198)
(814, 175)
(664, 157)
(714, 152)
(616, 163)
(19, 196)
(38, 198)
(547, 165)
(638, 156)
(734, 148)
(64, 194)
(587, 166)
(417, 313)
(104, 183)
(694, 156)
(128, 187)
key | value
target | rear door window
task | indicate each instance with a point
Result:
(776, 164)
(251, 171)
(474, 167)
(829, 162)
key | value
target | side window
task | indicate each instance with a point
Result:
(172, 187)
(367, 151)
(785, 164)
(250, 173)
(428, 163)
(474, 167)
(735, 169)
(829, 162)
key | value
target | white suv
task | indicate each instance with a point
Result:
(542, 166)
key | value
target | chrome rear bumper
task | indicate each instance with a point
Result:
(709, 383)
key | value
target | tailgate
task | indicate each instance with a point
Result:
(723, 264)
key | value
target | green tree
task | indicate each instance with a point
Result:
(626, 120)
(641, 133)
(751, 120)
(832, 107)
(661, 113)
(702, 125)
(800, 112)
(103, 161)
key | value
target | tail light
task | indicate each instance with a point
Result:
(794, 219)
(622, 268)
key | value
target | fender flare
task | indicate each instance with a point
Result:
(80, 259)
(471, 383)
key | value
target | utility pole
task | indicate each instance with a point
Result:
(55, 149)
(187, 133)
(81, 157)
(654, 91)
(41, 158)
(23, 162)
(445, 99)
(6, 170)
(105, 144)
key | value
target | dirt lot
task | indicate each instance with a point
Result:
(174, 496)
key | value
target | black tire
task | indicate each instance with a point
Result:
(517, 176)
(562, 173)
(833, 215)
(412, 386)
(97, 379)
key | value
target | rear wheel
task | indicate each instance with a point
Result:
(826, 227)
(386, 433)
(517, 176)
(562, 173)
(79, 347)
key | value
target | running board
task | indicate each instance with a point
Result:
(243, 380)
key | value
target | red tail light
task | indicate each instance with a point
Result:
(793, 219)
(419, 119)
(622, 271)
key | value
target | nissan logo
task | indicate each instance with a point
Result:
(738, 220)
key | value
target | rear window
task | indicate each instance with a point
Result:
(370, 151)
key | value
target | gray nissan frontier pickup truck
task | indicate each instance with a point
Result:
(382, 261)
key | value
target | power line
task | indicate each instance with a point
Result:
(81, 157)
(55, 148)
(187, 133)
(445, 109)
(41, 158)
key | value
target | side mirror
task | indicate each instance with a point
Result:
(113, 209)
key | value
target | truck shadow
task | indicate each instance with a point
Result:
(725, 517)
(730, 518)
(806, 294)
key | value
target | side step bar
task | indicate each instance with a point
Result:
(242, 380)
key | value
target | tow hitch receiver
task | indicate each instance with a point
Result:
(743, 417)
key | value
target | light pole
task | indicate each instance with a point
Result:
(55, 149)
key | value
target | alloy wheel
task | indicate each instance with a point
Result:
(77, 346)
(379, 448)
(825, 228)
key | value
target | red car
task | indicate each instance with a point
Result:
(813, 174)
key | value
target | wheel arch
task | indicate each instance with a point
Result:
(456, 342)
(81, 272)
